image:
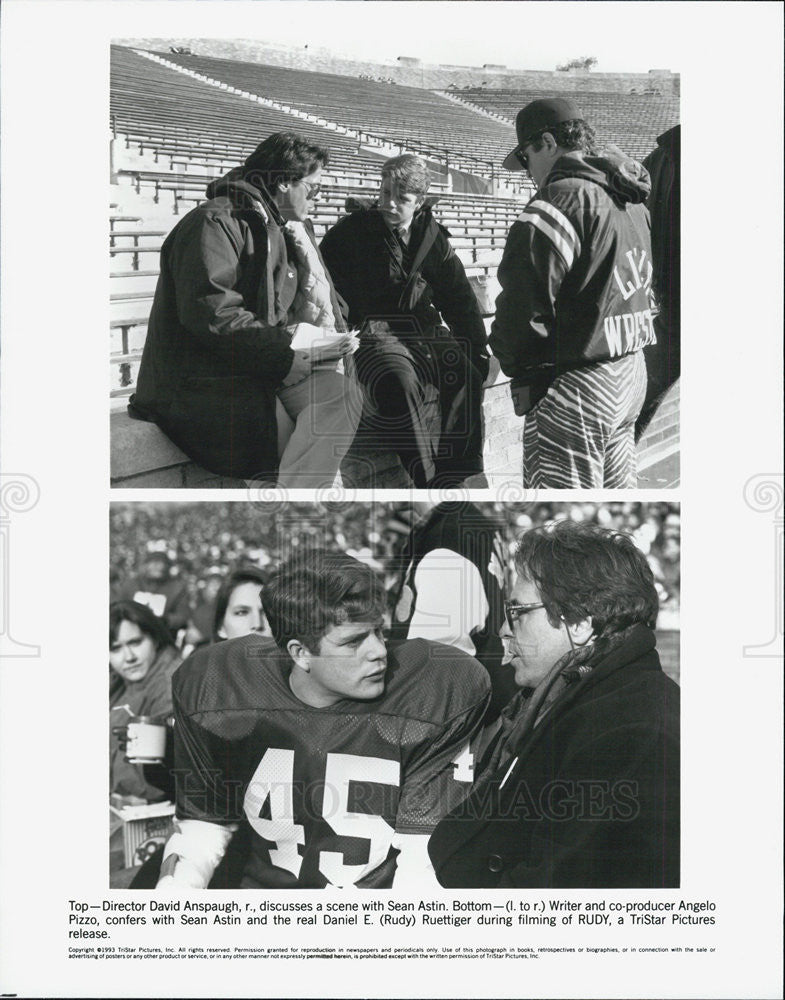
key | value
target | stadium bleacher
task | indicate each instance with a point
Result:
(407, 115)
(630, 121)
(177, 125)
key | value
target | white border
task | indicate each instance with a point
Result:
(55, 429)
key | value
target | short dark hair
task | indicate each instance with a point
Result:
(239, 576)
(573, 134)
(317, 589)
(283, 157)
(585, 571)
(141, 616)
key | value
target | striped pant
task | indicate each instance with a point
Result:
(582, 433)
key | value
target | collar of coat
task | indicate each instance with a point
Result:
(636, 646)
(245, 196)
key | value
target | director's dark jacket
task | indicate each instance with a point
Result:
(591, 796)
(217, 348)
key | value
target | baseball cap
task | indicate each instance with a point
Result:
(537, 117)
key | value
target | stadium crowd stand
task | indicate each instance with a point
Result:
(200, 537)
(176, 125)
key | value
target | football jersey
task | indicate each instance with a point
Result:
(324, 790)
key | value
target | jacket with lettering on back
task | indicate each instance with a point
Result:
(576, 272)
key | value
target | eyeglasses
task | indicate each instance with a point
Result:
(311, 190)
(520, 156)
(513, 611)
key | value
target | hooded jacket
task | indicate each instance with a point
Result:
(366, 264)
(217, 348)
(576, 271)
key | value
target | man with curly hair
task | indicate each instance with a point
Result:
(581, 789)
(240, 361)
(575, 310)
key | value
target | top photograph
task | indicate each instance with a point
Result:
(334, 273)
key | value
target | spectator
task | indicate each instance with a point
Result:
(142, 659)
(159, 590)
(200, 629)
(393, 264)
(241, 276)
(574, 312)
(238, 605)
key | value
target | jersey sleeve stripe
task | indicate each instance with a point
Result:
(556, 226)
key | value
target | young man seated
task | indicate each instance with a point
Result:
(393, 264)
(328, 755)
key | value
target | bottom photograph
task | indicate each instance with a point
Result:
(394, 695)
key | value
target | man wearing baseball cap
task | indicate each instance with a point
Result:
(575, 310)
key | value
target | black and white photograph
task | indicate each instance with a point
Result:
(423, 575)
(331, 270)
(390, 695)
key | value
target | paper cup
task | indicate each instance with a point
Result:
(146, 741)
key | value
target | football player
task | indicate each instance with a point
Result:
(331, 756)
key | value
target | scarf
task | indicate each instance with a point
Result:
(313, 301)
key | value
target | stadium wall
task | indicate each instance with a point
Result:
(413, 73)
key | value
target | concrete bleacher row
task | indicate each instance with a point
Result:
(407, 115)
(193, 124)
(630, 121)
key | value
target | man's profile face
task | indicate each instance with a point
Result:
(350, 663)
(534, 644)
(297, 199)
(397, 207)
(539, 161)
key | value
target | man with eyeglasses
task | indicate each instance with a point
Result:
(245, 334)
(575, 310)
(581, 788)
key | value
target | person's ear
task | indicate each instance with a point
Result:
(300, 654)
(548, 141)
(221, 633)
(582, 631)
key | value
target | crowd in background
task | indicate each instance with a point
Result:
(200, 544)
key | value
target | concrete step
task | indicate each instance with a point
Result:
(133, 341)
(141, 258)
(128, 308)
(123, 373)
(121, 282)
(133, 237)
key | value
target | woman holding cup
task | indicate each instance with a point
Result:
(142, 659)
